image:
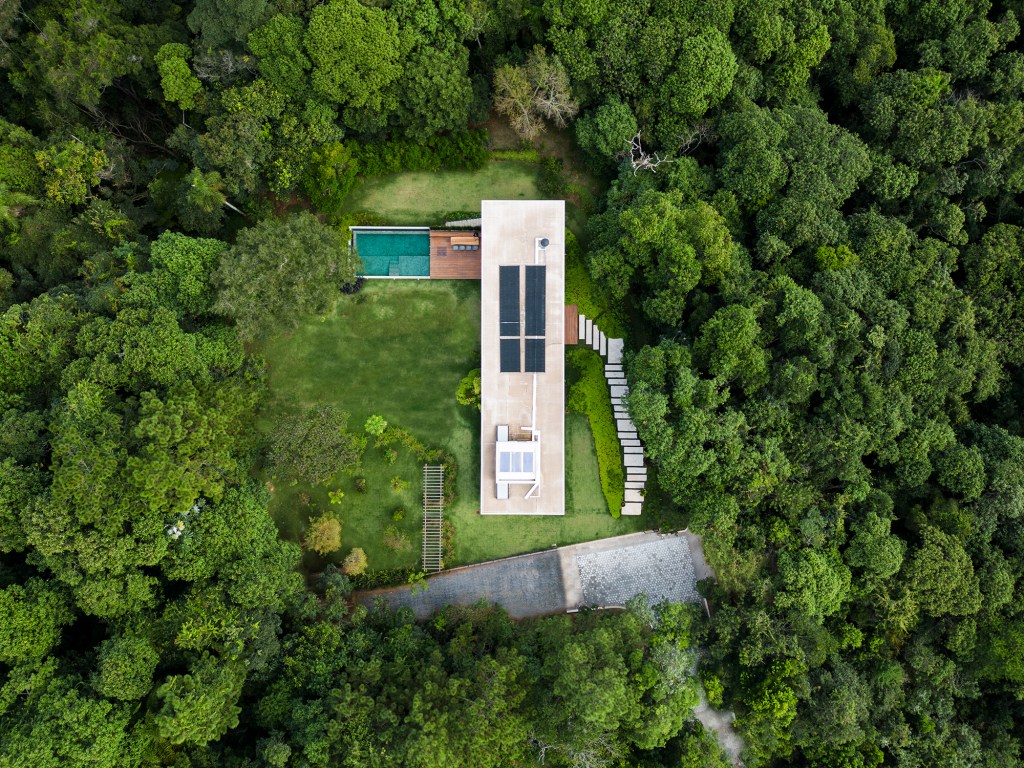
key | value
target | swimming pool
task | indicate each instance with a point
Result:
(393, 252)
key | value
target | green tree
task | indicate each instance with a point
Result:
(222, 22)
(815, 583)
(31, 617)
(12, 205)
(125, 669)
(703, 78)
(70, 170)
(282, 60)
(323, 535)
(180, 86)
(59, 724)
(202, 201)
(941, 575)
(606, 132)
(330, 176)
(730, 347)
(436, 93)
(468, 391)
(264, 292)
(73, 54)
(355, 55)
(315, 445)
(201, 706)
(538, 90)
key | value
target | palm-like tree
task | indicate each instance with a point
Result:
(203, 201)
(12, 205)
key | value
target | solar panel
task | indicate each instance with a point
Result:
(510, 355)
(535, 355)
(508, 296)
(536, 279)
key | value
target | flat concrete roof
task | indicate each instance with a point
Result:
(510, 231)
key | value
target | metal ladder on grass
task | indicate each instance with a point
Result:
(433, 515)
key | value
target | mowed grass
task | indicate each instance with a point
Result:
(422, 198)
(399, 349)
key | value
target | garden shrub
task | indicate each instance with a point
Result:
(355, 562)
(323, 535)
(394, 539)
(375, 425)
(447, 541)
(468, 392)
(355, 287)
(590, 396)
(398, 515)
(551, 182)
(388, 577)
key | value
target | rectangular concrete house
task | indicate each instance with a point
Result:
(522, 374)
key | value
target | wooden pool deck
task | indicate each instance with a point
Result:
(446, 263)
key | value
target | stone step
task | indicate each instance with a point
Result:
(627, 434)
(616, 381)
(619, 391)
(615, 347)
(638, 484)
(636, 473)
(613, 369)
(583, 327)
(634, 495)
(588, 334)
(633, 459)
(625, 425)
(633, 449)
(631, 509)
(630, 441)
(604, 345)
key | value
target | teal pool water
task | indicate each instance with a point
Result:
(394, 254)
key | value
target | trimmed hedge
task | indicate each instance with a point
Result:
(521, 155)
(389, 577)
(454, 152)
(590, 396)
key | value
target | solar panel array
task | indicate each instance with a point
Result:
(508, 297)
(536, 280)
(508, 318)
(510, 355)
(534, 356)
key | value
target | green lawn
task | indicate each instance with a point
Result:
(399, 349)
(423, 198)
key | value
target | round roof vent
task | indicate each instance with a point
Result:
(544, 242)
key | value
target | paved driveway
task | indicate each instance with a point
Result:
(528, 585)
(598, 573)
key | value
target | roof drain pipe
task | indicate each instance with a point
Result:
(540, 246)
(535, 433)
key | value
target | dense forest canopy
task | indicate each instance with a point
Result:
(813, 229)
